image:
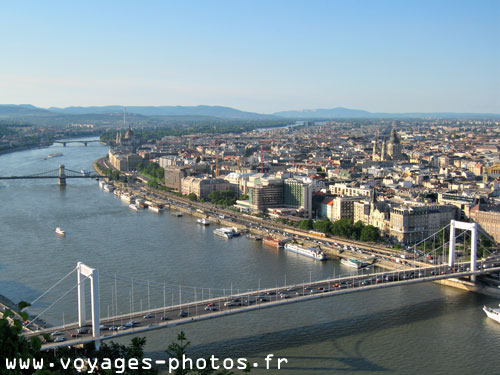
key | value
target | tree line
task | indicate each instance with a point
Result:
(111, 358)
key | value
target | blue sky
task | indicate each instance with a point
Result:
(263, 56)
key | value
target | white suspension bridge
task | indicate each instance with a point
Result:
(175, 304)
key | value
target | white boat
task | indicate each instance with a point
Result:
(177, 213)
(492, 313)
(85, 172)
(108, 188)
(126, 197)
(102, 183)
(203, 221)
(54, 155)
(60, 231)
(308, 252)
(354, 263)
(224, 232)
(156, 208)
(133, 207)
(140, 203)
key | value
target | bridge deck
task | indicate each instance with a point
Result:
(195, 311)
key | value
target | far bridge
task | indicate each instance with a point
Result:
(61, 174)
(85, 142)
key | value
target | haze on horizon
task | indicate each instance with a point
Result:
(259, 56)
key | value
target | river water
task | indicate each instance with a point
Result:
(419, 329)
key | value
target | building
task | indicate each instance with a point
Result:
(238, 181)
(298, 194)
(264, 193)
(410, 224)
(462, 202)
(174, 176)
(124, 161)
(343, 208)
(202, 187)
(488, 218)
(494, 170)
(394, 151)
(361, 211)
(349, 191)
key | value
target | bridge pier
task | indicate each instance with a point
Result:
(62, 175)
(64, 144)
(93, 275)
(85, 143)
(472, 227)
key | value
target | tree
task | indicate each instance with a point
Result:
(369, 233)
(13, 344)
(357, 229)
(306, 224)
(244, 197)
(322, 225)
(342, 228)
(192, 197)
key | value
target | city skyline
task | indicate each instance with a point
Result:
(379, 57)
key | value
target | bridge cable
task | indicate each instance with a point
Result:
(52, 287)
(53, 303)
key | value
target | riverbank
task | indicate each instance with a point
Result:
(99, 166)
(24, 148)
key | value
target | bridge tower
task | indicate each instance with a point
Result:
(472, 227)
(85, 143)
(84, 271)
(62, 175)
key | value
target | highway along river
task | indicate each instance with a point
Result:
(420, 329)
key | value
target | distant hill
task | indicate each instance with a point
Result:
(340, 112)
(201, 110)
(19, 110)
(325, 113)
(156, 115)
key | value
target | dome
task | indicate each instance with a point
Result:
(129, 133)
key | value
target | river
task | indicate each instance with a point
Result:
(419, 329)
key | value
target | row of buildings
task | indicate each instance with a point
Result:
(415, 180)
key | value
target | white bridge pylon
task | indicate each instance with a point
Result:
(472, 227)
(84, 272)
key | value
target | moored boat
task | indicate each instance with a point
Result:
(224, 232)
(270, 241)
(492, 313)
(203, 221)
(156, 208)
(306, 251)
(60, 231)
(126, 197)
(354, 263)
